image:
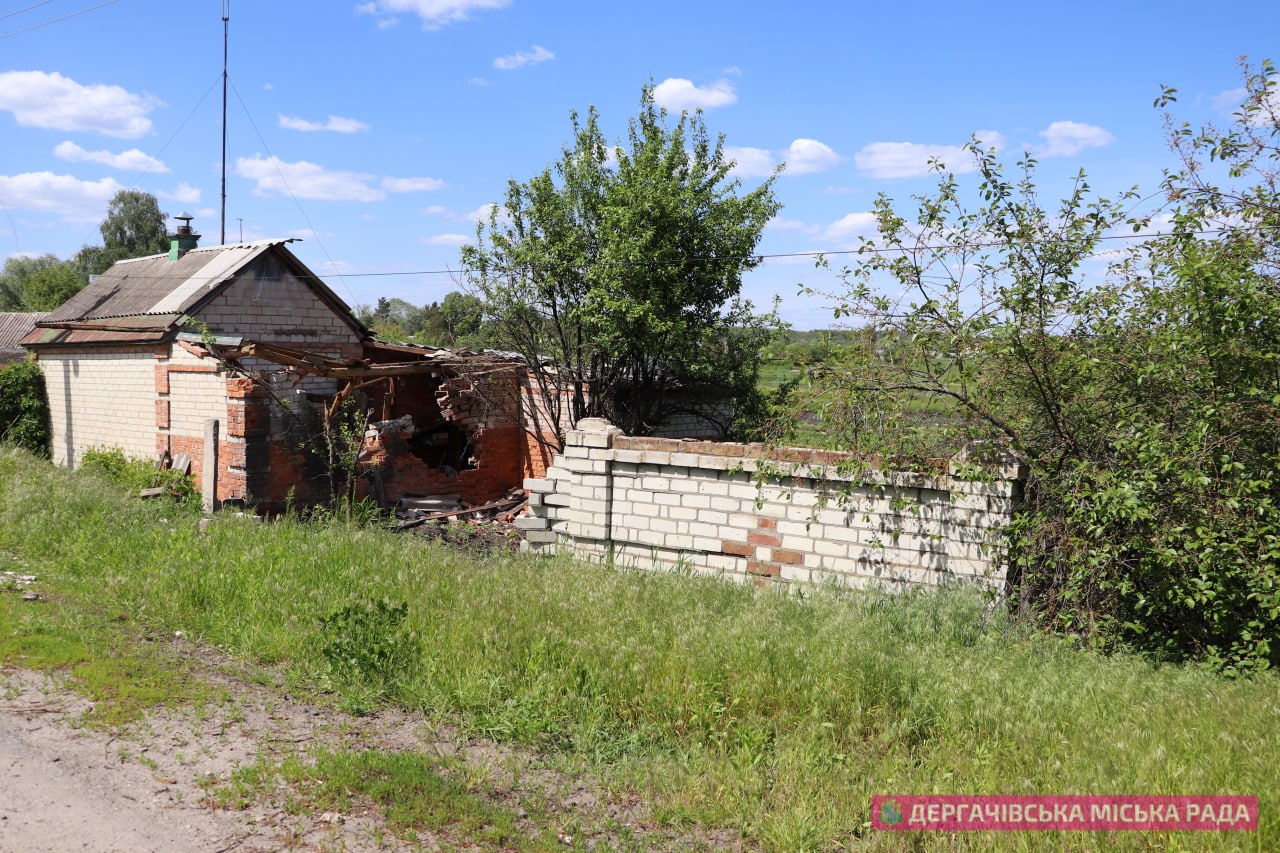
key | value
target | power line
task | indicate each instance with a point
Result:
(779, 256)
(28, 9)
(275, 161)
(56, 20)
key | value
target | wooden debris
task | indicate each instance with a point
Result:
(499, 507)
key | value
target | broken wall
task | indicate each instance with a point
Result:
(704, 506)
(448, 433)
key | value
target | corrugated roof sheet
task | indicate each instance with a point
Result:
(13, 328)
(157, 285)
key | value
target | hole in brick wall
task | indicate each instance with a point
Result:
(434, 438)
(442, 444)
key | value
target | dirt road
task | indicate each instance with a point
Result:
(65, 786)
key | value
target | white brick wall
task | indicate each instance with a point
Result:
(100, 399)
(193, 399)
(654, 502)
(282, 310)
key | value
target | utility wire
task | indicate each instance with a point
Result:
(276, 163)
(56, 20)
(160, 152)
(28, 9)
(780, 256)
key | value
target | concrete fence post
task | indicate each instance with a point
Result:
(209, 467)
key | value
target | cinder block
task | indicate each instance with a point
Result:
(597, 439)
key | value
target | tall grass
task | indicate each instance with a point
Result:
(778, 715)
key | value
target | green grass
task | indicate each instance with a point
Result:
(410, 789)
(775, 716)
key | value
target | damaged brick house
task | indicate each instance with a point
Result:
(234, 359)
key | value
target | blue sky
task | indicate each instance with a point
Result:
(377, 131)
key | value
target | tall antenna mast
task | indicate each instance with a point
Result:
(226, 16)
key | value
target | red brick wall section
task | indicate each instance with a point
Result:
(537, 454)
(254, 467)
(193, 447)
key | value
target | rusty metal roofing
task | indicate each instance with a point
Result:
(155, 285)
(13, 328)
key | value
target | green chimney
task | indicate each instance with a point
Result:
(184, 239)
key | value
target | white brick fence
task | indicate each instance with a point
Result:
(812, 519)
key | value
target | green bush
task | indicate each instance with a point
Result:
(134, 475)
(24, 408)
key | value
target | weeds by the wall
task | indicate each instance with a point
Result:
(134, 475)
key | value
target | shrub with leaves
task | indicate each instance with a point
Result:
(24, 408)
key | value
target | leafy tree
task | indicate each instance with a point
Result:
(1144, 396)
(462, 314)
(393, 319)
(37, 284)
(134, 227)
(433, 331)
(617, 272)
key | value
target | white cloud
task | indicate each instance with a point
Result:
(522, 58)
(273, 176)
(779, 223)
(807, 156)
(479, 81)
(132, 160)
(412, 185)
(184, 194)
(849, 228)
(471, 217)
(308, 234)
(910, 159)
(449, 240)
(1232, 100)
(336, 124)
(803, 157)
(54, 102)
(434, 13)
(61, 194)
(481, 214)
(675, 93)
(750, 162)
(1068, 138)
